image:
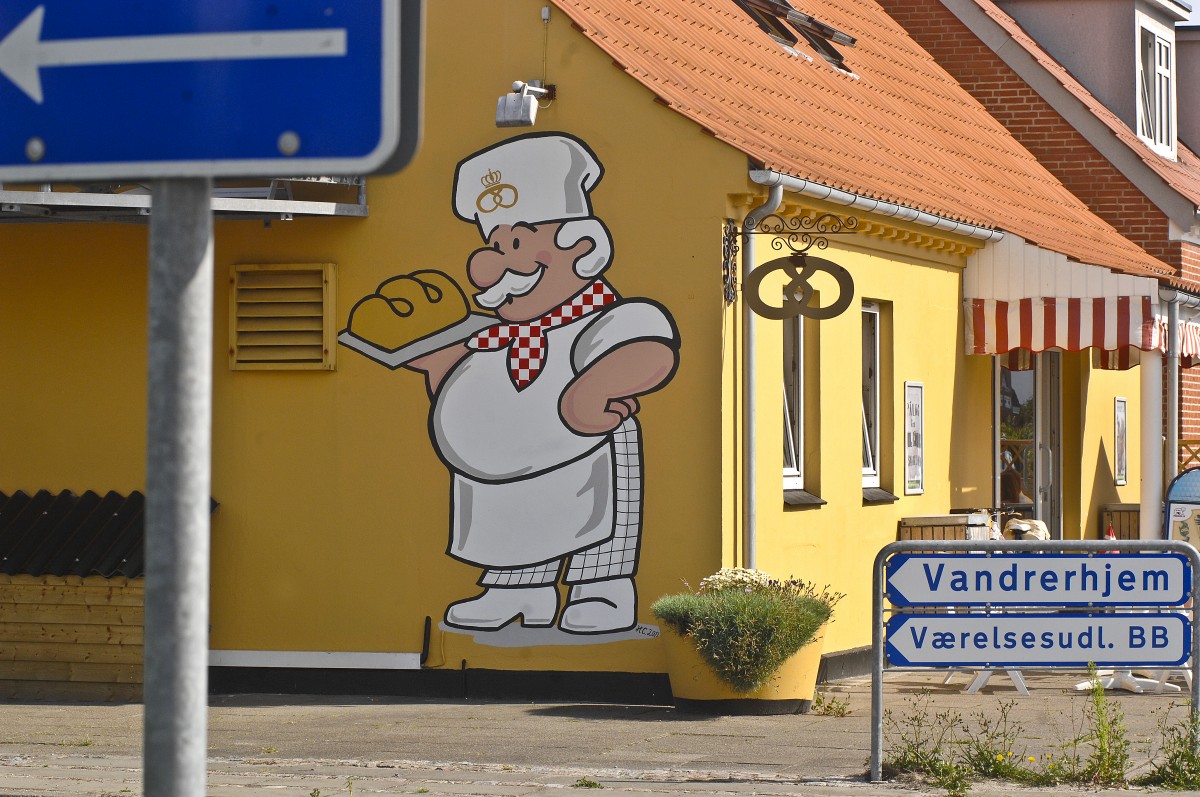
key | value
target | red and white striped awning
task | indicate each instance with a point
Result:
(1115, 326)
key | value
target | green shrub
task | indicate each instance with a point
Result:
(746, 624)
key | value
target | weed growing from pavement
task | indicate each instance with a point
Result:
(586, 783)
(1175, 764)
(989, 746)
(829, 706)
(1108, 764)
(922, 744)
(951, 753)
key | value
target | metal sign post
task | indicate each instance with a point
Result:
(179, 425)
(178, 94)
(1056, 603)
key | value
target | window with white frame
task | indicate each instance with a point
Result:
(793, 403)
(870, 394)
(1156, 85)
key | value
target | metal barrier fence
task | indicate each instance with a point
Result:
(1090, 548)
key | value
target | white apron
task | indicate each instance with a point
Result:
(526, 488)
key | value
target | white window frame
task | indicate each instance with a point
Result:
(1156, 87)
(793, 399)
(870, 394)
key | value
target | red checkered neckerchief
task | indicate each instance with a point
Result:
(526, 341)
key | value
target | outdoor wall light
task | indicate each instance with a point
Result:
(519, 108)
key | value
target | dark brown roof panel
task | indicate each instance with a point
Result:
(65, 534)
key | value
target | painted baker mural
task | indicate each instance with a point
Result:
(535, 401)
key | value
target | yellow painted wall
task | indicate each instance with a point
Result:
(73, 302)
(919, 292)
(333, 524)
(371, 504)
(1097, 460)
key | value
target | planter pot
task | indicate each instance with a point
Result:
(696, 687)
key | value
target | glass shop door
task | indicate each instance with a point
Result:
(1028, 445)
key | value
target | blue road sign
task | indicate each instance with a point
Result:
(1048, 639)
(1038, 579)
(125, 89)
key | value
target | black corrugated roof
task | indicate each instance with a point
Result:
(65, 534)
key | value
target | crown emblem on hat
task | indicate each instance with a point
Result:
(495, 194)
(491, 178)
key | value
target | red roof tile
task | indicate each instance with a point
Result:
(899, 129)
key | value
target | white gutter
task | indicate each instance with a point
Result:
(879, 207)
(756, 215)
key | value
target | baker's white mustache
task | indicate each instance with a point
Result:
(510, 284)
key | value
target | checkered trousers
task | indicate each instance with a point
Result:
(615, 557)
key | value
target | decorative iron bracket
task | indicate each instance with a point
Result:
(729, 253)
(799, 234)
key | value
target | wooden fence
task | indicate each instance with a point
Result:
(1189, 454)
(71, 638)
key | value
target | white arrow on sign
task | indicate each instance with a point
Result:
(23, 53)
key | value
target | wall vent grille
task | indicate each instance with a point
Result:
(281, 317)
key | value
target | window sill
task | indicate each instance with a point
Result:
(802, 498)
(877, 495)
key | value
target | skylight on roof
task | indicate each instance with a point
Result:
(783, 23)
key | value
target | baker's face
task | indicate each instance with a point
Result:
(522, 273)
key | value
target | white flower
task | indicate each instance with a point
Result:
(735, 578)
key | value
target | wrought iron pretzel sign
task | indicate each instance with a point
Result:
(798, 293)
(800, 235)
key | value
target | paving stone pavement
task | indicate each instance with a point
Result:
(338, 747)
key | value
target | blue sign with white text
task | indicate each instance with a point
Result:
(1039, 579)
(1046, 639)
(129, 89)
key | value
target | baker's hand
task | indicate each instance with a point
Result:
(588, 409)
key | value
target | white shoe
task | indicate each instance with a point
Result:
(601, 607)
(495, 608)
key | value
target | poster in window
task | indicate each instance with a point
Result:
(1183, 522)
(1121, 444)
(914, 438)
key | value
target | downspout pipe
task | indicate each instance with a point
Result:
(1172, 452)
(878, 207)
(749, 320)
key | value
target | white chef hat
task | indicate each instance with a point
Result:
(535, 178)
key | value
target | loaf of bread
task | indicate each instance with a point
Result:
(408, 308)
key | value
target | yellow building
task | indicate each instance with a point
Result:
(391, 500)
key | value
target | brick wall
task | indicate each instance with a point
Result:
(1190, 262)
(1189, 404)
(1039, 128)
